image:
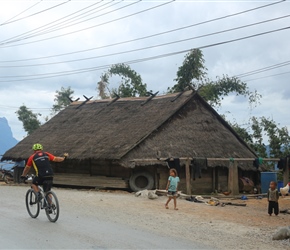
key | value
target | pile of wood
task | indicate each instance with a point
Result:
(85, 180)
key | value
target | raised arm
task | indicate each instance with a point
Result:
(59, 158)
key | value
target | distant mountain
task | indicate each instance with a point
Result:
(7, 140)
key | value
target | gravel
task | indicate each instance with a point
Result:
(215, 227)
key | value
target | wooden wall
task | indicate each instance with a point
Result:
(163, 174)
(72, 167)
(109, 168)
(91, 173)
(93, 168)
(204, 185)
(211, 179)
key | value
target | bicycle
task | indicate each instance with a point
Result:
(48, 202)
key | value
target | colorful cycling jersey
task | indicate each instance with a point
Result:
(40, 162)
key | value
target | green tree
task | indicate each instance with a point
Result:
(131, 84)
(242, 132)
(28, 119)
(265, 129)
(193, 74)
(214, 91)
(257, 135)
(62, 99)
(192, 69)
(279, 139)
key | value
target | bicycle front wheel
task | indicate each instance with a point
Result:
(52, 209)
(32, 205)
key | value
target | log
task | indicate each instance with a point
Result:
(209, 159)
(235, 204)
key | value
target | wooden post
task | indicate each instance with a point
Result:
(213, 180)
(187, 177)
(286, 172)
(156, 179)
(236, 179)
(233, 180)
(230, 177)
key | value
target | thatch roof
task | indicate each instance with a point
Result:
(177, 125)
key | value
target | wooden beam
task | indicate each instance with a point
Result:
(233, 180)
(208, 159)
(114, 100)
(236, 179)
(230, 177)
(177, 96)
(83, 103)
(241, 159)
(187, 177)
(213, 179)
(151, 97)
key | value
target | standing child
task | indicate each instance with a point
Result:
(273, 197)
(172, 187)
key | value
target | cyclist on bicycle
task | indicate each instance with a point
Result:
(40, 161)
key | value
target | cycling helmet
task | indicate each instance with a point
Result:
(37, 146)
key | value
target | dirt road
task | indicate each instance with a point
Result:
(119, 220)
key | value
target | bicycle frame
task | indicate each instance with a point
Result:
(44, 201)
(49, 202)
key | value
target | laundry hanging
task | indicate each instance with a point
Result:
(173, 163)
(196, 166)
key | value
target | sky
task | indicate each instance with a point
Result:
(46, 45)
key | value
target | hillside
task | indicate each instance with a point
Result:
(7, 140)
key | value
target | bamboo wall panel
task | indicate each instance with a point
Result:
(90, 181)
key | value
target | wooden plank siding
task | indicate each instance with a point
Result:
(72, 167)
(199, 185)
(86, 180)
(92, 168)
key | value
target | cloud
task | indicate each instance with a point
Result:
(286, 94)
(112, 26)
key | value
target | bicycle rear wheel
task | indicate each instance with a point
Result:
(52, 209)
(32, 205)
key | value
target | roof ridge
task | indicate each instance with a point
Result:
(139, 98)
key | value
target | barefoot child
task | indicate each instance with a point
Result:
(273, 197)
(172, 187)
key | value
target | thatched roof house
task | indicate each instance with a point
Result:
(106, 134)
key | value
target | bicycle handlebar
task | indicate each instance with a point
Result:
(25, 178)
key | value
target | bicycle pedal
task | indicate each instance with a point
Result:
(49, 210)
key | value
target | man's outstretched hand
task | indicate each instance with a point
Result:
(65, 155)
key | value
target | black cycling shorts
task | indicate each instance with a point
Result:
(46, 182)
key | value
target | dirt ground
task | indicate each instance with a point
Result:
(228, 226)
(225, 227)
(253, 214)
